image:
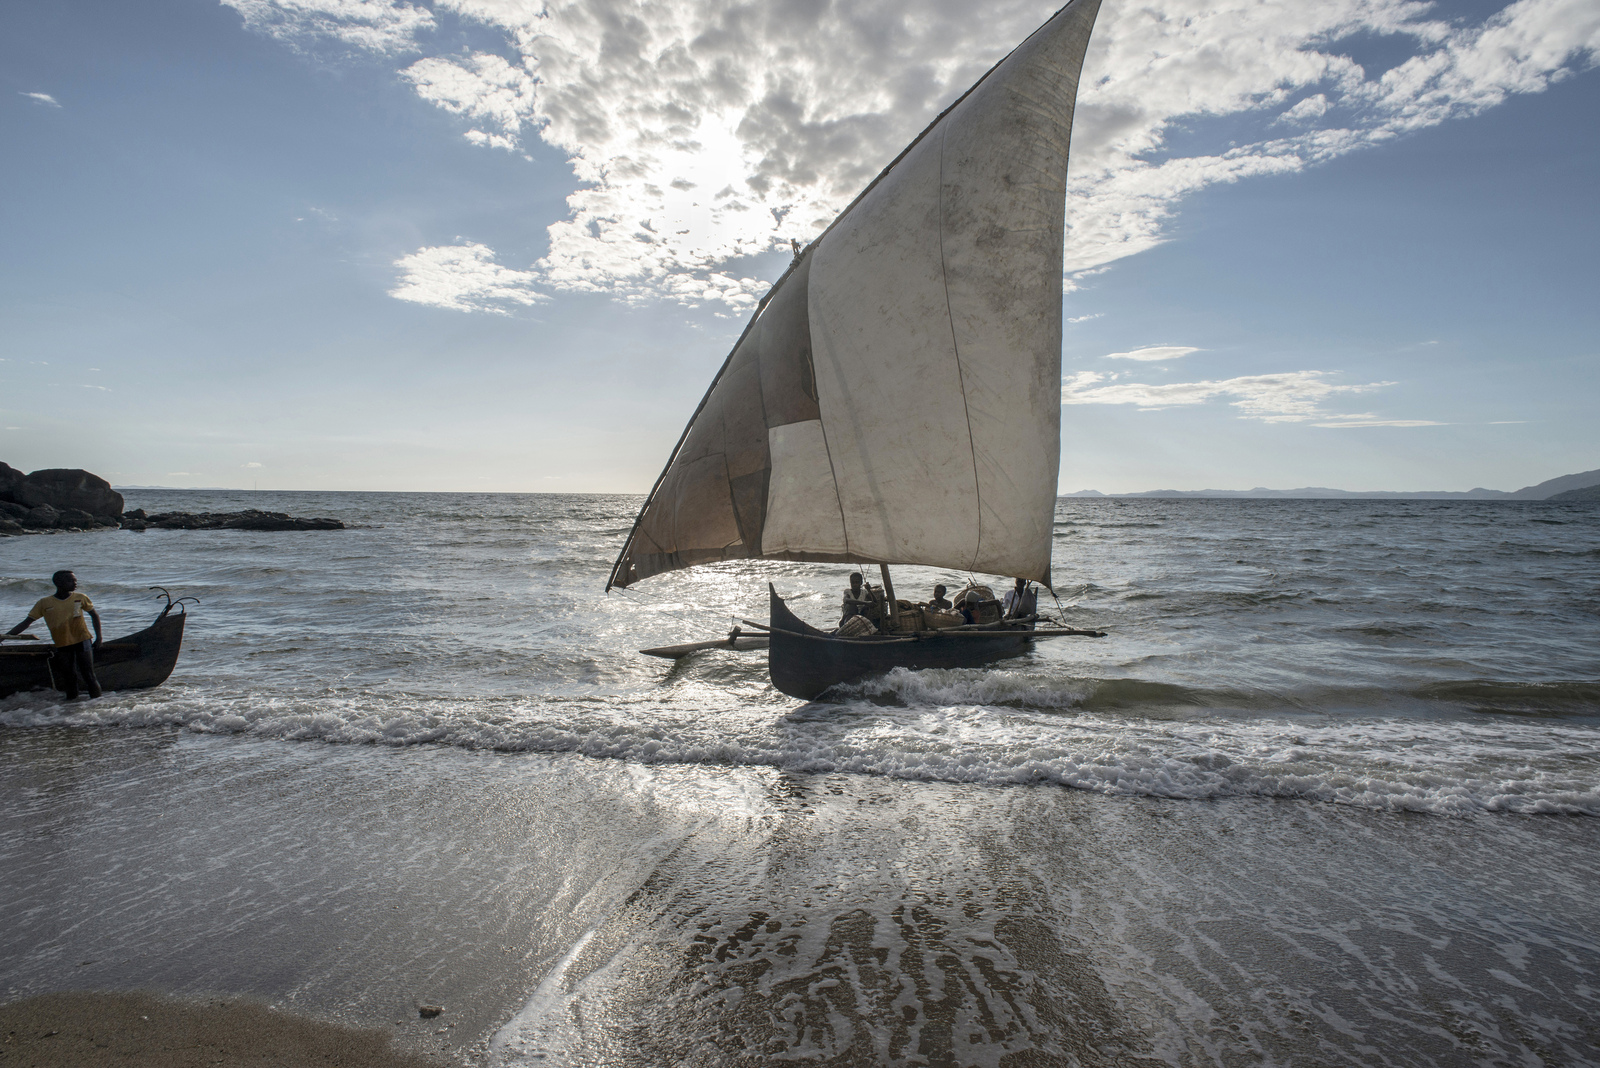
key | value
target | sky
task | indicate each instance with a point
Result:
(503, 245)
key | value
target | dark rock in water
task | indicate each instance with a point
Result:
(42, 517)
(61, 498)
(64, 488)
(10, 478)
(430, 1011)
(249, 519)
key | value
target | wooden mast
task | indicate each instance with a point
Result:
(888, 591)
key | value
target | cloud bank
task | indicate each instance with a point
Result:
(703, 131)
(1288, 397)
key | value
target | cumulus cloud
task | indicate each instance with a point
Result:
(1154, 352)
(463, 278)
(376, 25)
(1289, 397)
(703, 131)
(1312, 107)
(42, 98)
(484, 88)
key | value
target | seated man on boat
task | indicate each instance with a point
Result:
(856, 599)
(63, 614)
(1021, 602)
(939, 599)
(968, 604)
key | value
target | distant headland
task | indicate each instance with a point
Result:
(62, 498)
(1584, 486)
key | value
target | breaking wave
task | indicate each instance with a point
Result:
(987, 729)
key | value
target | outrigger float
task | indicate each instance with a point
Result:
(896, 396)
(139, 661)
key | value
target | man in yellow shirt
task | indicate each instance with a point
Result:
(63, 614)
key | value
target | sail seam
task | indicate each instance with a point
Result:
(827, 447)
(955, 347)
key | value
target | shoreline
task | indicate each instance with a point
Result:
(140, 1029)
(561, 906)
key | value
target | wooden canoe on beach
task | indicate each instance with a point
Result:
(137, 662)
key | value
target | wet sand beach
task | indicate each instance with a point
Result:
(570, 910)
(137, 1030)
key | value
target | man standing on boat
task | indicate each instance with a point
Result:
(63, 614)
(1021, 602)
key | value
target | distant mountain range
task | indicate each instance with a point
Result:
(1580, 487)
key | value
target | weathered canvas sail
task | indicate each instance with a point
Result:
(896, 397)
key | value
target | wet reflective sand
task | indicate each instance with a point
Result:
(572, 910)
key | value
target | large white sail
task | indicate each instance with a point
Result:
(896, 398)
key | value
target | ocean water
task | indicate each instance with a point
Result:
(1325, 795)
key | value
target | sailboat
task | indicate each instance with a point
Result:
(896, 397)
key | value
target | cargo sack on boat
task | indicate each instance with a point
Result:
(855, 627)
(910, 617)
(939, 619)
(986, 610)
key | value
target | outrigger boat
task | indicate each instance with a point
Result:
(896, 397)
(137, 662)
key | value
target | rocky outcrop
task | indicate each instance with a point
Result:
(61, 498)
(65, 488)
(10, 478)
(249, 519)
(18, 519)
(56, 498)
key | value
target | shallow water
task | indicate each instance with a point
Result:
(1311, 802)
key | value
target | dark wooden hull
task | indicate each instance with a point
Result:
(804, 661)
(137, 662)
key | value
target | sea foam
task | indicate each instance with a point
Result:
(986, 728)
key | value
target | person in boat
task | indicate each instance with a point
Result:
(1020, 602)
(855, 599)
(968, 606)
(939, 599)
(63, 614)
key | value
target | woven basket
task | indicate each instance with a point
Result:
(910, 617)
(855, 627)
(939, 619)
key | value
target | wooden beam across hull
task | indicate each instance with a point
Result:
(804, 661)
